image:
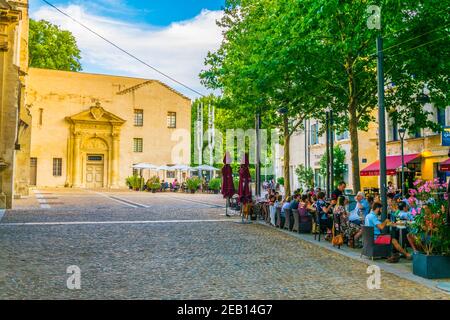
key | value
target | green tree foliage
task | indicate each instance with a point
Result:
(305, 176)
(260, 67)
(52, 48)
(225, 118)
(339, 166)
(307, 55)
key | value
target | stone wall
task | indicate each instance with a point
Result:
(13, 68)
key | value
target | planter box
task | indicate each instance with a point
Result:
(431, 267)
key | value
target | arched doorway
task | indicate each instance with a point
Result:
(93, 149)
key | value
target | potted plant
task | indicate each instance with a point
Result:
(215, 185)
(154, 184)
(193, 184)
(431, 230)
(129, 183)
(134, 182)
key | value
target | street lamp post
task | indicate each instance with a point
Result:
(401, 133)
(448, 199)
(258, 154)
(381, 123)
(327, 142)
(331, 159)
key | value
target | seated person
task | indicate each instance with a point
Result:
(164, 185)
(324, 211)
(286, 205)
(295, 202)
(403, 212)
(417, 243)
(305, 203)
(372, 220)
(175, 185)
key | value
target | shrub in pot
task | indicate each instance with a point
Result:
(193, 183)
(154, 184)
(155, 187)
(134, 182)
(215, 185)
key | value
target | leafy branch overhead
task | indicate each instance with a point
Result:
(52, 48)
(308, 55)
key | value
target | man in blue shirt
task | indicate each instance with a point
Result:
(295, 202)
(372, 220)
(286, 205)
(362, 204)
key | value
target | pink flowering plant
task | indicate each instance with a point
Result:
(430, 216)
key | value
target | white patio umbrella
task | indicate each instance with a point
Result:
(144, 165)
(180, 168)
(205, 167)
(164, 168)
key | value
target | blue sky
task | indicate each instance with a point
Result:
(172, 35)
(154, 12)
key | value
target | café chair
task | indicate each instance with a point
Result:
(372, 250)
(288, 221)
(305, 221)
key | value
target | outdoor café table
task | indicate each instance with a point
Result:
(400, 227)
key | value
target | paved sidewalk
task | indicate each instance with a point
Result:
(132, 245)
(402, 269)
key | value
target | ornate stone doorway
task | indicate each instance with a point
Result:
(93, 149)
(94, 171)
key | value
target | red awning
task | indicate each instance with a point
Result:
(392, 164)
(445, 166)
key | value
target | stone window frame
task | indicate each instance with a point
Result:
(138, 145)
(57, 167)
(138, 117)
(171, 119)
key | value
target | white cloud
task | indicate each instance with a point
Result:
(178, 50)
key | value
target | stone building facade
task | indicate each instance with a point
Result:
(15, 117)
(89, 129)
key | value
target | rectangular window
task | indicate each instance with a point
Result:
(137, 145)
(346, 173)
(171, 119)
(170, 174)
(41, 112)
(33, 171)
(395, 130)
(314, 134)
(57, 167)
(317, 178)
(441, 116)
(138, 117)
(95, 158)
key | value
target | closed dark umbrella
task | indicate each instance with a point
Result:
(227, 181)
(244, 192)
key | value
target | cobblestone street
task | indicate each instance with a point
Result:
(169, 246)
